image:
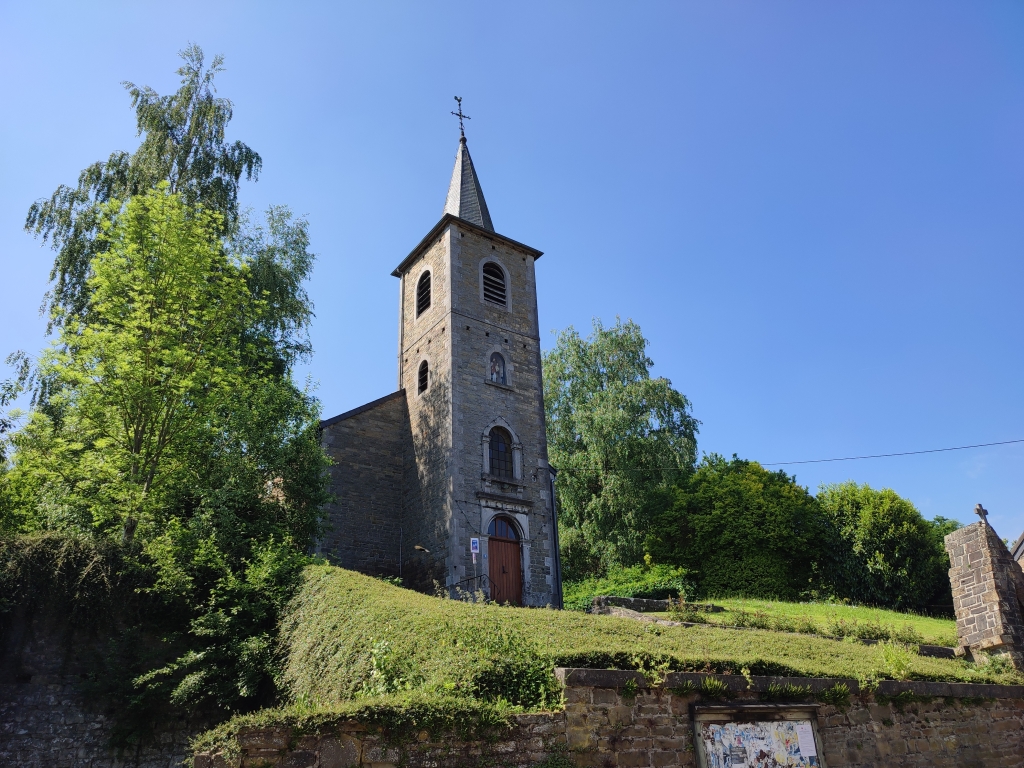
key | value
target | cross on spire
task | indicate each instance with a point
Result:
(981, 512)
(462, 127)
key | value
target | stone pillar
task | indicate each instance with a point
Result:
(988, 592)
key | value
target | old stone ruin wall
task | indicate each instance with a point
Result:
(47, 718)
(988, 594)
(618, 719)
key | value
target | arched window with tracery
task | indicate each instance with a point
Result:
(423, 294)
(502, 528)
(423, 380)
(501, 453)
(494, 284)
(497, 368)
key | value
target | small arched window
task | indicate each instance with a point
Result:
(423, 294)
(494, 284)
(501, 453)
(502, 528)
(424, 378)
(497, 368)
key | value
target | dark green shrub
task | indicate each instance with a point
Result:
(877, 549)
(740, 530)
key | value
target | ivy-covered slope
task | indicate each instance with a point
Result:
(347, 635)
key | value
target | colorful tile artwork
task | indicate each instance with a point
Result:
(770, 744)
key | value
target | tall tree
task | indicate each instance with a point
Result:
(174, 428)
(150, 375)
(184, 145)
(164, 413)
(616, 436)
(740, 529)
(879, 549)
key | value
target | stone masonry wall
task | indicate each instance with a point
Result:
(47, 721)
(455, 336)
(615, 719)
(480, 328)
(427, 337)
(365, 522)
(351, 746)
(988, 592)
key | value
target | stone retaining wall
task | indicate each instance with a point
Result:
(616, 719)
(46, 720)
(644, 605)
(534, 738)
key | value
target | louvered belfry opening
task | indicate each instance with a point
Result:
(494, 284)
(424, 377)
(423, 294)
(501, 453)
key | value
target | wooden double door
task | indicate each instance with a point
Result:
(506, 570)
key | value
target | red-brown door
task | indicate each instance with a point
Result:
(506, 571)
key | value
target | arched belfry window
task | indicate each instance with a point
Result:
(423, 294)
(501, 453)
(502, 528)
(498, 368)
(494, 284)
(424, 378)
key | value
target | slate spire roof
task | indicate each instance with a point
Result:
(465, 197)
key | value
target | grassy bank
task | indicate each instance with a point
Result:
(348, 636)
(834, 620)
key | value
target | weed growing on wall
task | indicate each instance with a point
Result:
(838, 696)
(897, 659)
(691, 613)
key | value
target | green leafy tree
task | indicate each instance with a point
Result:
(879, 550)
(173, 428)
(617, 436)
(740, 529)
(184, 144)
(140, 382)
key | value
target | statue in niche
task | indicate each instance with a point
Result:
(497, 368)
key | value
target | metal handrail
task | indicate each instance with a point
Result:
(474, 578)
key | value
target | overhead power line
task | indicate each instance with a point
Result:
(886, 455)
(805, 461)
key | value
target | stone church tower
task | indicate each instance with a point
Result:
(458, 454)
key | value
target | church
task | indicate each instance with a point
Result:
(445, 482)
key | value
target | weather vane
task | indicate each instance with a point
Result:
(462, 127)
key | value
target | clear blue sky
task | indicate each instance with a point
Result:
(814, 210)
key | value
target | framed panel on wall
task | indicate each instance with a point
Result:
(757, 736)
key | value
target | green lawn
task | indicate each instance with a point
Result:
(832, 619)
(346, 634)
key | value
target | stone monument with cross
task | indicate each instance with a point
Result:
(988, 593)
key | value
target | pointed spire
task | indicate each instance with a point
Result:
(465, 197)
